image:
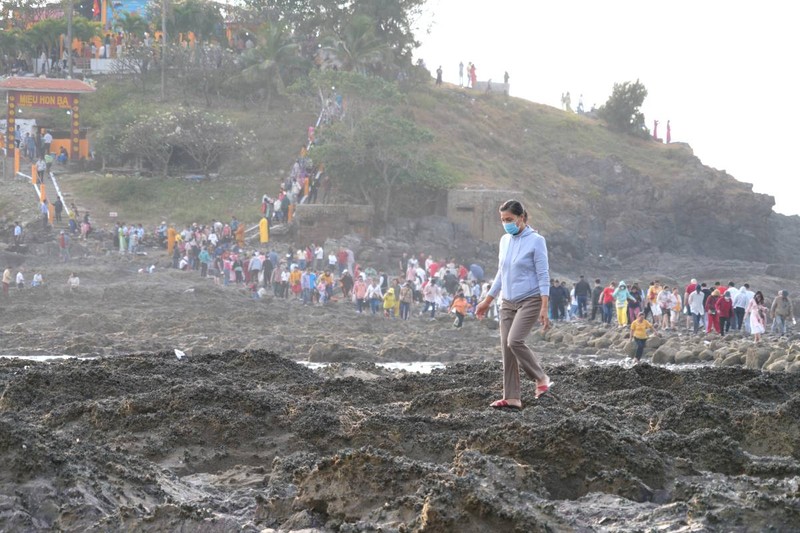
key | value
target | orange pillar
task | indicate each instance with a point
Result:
(171, 240)
(34, 174)
(16, 162)
(290, 213)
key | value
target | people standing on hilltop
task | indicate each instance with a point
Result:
(461, 74)
(756, 313)
(523, 276)
(669, 133)
(473, 75)
(439, 76)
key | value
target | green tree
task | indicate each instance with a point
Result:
(266, 64)
(207, 139)
(131, 24)
(135, 64)
(11, 43)
(204, 71)
(358, 46)
(621, 111)
(46, 35)
(394, 20)
(151, 139)
(312, 20)
(378, 154)
(201, 17)
(84, 29)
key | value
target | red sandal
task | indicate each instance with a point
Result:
(503, 404)
(542, 388)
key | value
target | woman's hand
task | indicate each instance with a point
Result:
(544, 319)
(482, 307)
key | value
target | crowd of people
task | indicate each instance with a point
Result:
(696, 307)
(314, 276)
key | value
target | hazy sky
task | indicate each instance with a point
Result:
(724, 72)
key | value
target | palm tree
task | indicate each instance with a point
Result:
(200, 17)
(358, 46)
(85, 30)
(266, 63)
(132, 24)
(45, 36)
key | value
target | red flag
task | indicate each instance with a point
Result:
(96, 8)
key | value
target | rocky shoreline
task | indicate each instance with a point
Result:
(254, 442)
(232, 436)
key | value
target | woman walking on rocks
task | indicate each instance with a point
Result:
(523, 275)
(756, 313)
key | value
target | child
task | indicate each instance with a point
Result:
(459, 306)
(388, 303)
(639, 329)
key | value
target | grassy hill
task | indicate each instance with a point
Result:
(591, 190)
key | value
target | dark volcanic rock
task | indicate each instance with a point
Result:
(249, 440)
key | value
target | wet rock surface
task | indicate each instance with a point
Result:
(252, 441)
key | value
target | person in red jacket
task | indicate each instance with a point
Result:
(711, 312)
(724, 312)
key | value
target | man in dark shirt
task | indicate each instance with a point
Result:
(596, 292)
(582, 294)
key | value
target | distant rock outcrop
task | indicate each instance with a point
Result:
(700, 212)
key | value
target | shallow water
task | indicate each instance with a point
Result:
(418, 367)
(43, 358)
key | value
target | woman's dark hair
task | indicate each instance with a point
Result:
(759, 298)
(514, 207)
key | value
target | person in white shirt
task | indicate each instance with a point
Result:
(73, 281)
(20, 280)
(374, 296)
(17, 234)
(740, 305)
(695, 303)
(319, 255)
(734, 292)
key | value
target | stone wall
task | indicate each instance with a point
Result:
(318, 222)
(476, 209)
